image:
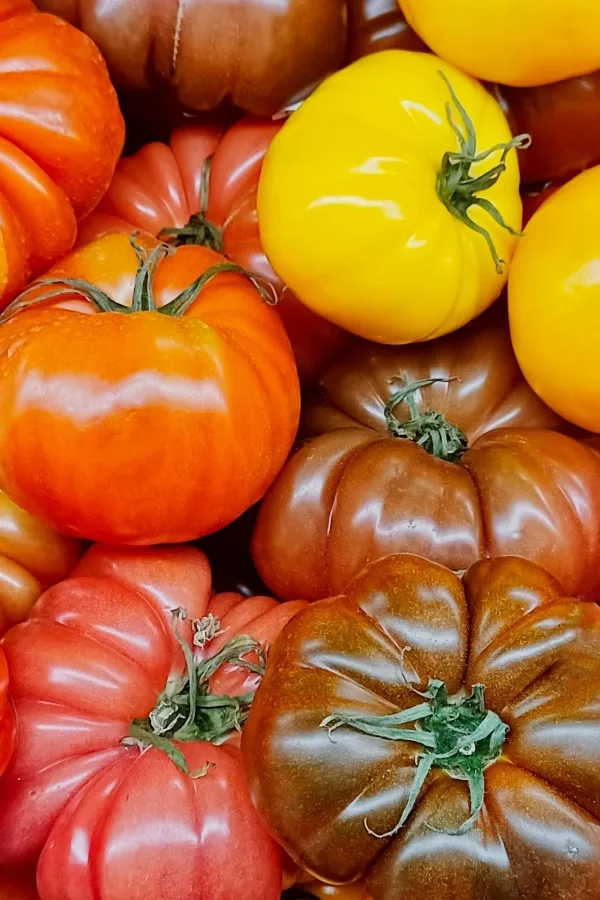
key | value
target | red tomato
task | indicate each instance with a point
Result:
(61, 133)
(172, 187)
(121, 821)
(7, 718)
(170, 423)
(13, 887)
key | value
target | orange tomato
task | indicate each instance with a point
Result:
(61, 133)
(152, 426)
(554, 301)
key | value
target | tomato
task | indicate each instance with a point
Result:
(515, 42)
(430, 733)
(553, 300)
(533, 198)
(563, 120)
(32, 557)
(13, 887)
(169, 425)
(61, 135)
(379, 25)
(7, 718)
(435, 450)
(316, 890)
(202, 53)
(381, 198)
(175, 187)
(99, 770)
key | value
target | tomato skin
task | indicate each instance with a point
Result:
(200, 57)
(107, 630)
(354, 492)
(508, 627)
(554, 292)
(563, 121)
(515, 43)
(161, 187)
(7, 718)
(376, 25)
(16, 888)
(54, 167)
(363, 226)
(145, 411)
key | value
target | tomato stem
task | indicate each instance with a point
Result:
(199, 231)
(458, 733)
(186, 710)
(458, 190)
(430, 429)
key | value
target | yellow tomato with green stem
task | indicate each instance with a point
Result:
(554, 301)
(523, 43)
(389, 202)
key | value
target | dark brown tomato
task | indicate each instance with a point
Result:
(530, 776)
(358, 491)
(379, 25)
(255, 53)
(564, 121)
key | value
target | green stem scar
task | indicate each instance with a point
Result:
(458, 733)
(430, 429)
(186, 710)
(143, 298)
(458, 190)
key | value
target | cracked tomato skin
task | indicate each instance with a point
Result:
(61, 133)
(507, 626)
(169, 426)
(95, 654)
(521, 43)
(161, 186)
(354, 493)
(254, 53)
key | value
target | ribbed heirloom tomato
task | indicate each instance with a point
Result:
(146, 394)
(434, 450)
(517, 42)
(124, 778)
(61, 133)
(440, 737)
(389, 201)
(201, 189)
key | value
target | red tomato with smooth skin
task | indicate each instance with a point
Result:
(13, 887)
(121, 820)
(7, 718)
(146, 427)
(61, 134)
(173, 187)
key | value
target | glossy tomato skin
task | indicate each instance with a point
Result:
(363, 227)
(7, 718)
(514, 43)
(32, 557)
(161, 186)
(508, 627)
(169, 427)
(354, 493)
(62, 133)
(376, 25)
(73, 783)
(201, 54)
(563, 121)
(553, 301)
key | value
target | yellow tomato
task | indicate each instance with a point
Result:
(519, 42)
(365, 193)
(554, 301)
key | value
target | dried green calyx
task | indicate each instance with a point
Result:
(430, 429)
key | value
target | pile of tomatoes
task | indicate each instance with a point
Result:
(299, 450)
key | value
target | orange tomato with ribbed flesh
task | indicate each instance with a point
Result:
(201, 188)
(147, 395)
(61, 134)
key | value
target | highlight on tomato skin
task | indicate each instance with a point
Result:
(109, 749)
(171, 404)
